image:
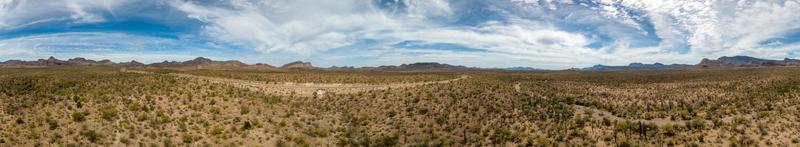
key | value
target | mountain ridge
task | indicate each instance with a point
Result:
(206, 63)
(636, 66)
(746, 61)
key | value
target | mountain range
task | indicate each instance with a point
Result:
(746, 61)
(205, 63)
(637, 66)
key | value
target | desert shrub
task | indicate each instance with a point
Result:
(391, 113)
(217, 130)
(244, 110)
(695, 124)
(91, 135)
(317, 131)
(79, 116)
(272, 99)
(215, 110)
(52, 124)
(108, 112)
(624, 143)
(299, 140)
(387, 140)
(247, 125)
(422, 111)
(20, 120)
(606, 121)
(188, 138)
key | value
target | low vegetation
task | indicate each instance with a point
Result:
(96, 106)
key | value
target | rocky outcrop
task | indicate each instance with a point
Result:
(298, 65)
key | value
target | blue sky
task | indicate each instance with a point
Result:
(551, 34)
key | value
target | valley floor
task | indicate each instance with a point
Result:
(99, 106)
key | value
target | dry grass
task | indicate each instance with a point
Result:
(109, 107)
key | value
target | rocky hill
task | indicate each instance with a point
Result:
(746, 61)
(722, 62)
(205, 63)
(297, 65)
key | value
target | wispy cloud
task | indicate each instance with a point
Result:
(538, 33)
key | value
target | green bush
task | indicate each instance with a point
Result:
(247, 125)
(108, 112)
(79, 116)
(52, 124)
(318, 132)
(386, 140)
(92, 135)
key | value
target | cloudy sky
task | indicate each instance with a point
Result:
(551, 34)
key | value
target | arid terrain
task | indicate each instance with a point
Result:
(114, 106)
(399, 73)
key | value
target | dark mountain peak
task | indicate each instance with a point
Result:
(52, 59)
(427, 65)
(262, 65)
(78, 59)
(131, 63)
(746, 61)
(636, 64)
(298, 65)
(202, 59)
(105, 61)
(199, 60)
(740, 59)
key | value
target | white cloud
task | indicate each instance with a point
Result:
(426, 9)
(721, 27)
(289, 26)
(99, 45)
(21, 13)
(305, 28)
(528, 35)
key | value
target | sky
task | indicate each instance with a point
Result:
(548, 34)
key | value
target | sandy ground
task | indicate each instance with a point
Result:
(599, 114)
(303, 89)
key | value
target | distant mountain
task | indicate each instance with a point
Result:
(522, 69)
(724, 61)
(746, 61)
(53, 62)
(133, 63)
(421, 66)
(298, 65)
(205, 63)
(197, 63)
(637, 66)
